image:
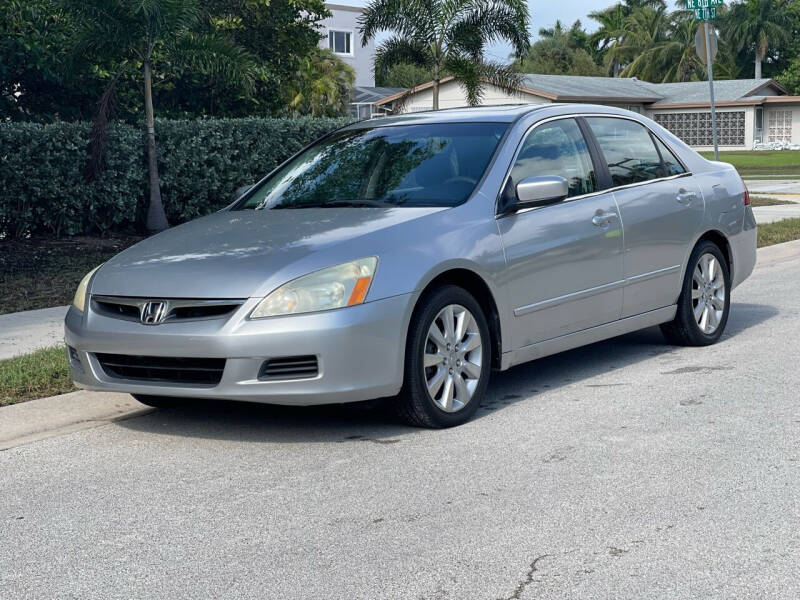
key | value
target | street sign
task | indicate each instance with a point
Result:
(692, 4)
(705, 14)
(700, 43)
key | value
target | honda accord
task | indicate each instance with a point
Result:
(410, 256)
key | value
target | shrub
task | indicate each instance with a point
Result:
(43, 190)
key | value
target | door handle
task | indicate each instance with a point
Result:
(685, 197)
(601, 219)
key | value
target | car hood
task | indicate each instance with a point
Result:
(232, 254)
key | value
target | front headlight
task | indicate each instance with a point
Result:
(79, 301)
(336, 287)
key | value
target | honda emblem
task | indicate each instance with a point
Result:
(154, 313)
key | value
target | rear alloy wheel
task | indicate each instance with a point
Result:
(704, 303)
(448, 360)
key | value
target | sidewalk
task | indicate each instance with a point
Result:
(773, 187)
(24, 332)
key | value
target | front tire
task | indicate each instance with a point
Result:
(448, 360)
(705, 300)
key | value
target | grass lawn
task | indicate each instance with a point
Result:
(778, 232)
(768, 201)
(40, 273)
(39, 375)
(749, 162)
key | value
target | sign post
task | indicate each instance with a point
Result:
(706, 11)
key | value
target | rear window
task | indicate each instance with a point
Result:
(409, 165)
(629, 150)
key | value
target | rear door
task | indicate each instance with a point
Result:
(564, 261)
(660, 206)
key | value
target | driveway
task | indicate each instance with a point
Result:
(627, 469)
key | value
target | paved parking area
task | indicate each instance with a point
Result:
(627, 469)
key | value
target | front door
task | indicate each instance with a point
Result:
(564, 261)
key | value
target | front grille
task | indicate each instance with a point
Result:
(289, 367)
(180, 309)
(162, 369)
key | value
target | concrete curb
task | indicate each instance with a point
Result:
(36, 420)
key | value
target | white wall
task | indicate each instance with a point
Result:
(452, 96)
(345, 18)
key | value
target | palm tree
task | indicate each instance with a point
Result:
(323, 85)
(609, 37)
(663, 45)
(757, 24)
(449, 36)
(143, 35)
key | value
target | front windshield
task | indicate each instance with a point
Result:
(409, 165)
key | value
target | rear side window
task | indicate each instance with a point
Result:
(557, 148)
(671, 164)
(628, 149)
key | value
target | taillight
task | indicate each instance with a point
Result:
(746, 195)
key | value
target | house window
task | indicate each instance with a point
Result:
(779, 125)
(341, 42)
(695, 128)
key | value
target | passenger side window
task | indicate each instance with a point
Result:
(556, 148)
(671, 164)
(628, 149)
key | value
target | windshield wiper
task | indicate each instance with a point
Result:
(334, 204)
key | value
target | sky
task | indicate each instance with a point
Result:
(543, 14)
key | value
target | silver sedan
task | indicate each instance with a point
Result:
(410, 256)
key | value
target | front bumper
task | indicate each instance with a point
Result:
(360, 352)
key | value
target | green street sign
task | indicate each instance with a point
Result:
(695, 4)
(705, 14)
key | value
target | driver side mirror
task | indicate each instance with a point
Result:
(533, 192)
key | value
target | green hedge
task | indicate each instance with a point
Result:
(201, 164)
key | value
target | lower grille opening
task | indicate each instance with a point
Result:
(289, 367)
(202, 371)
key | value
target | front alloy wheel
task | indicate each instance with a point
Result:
(453, 358)
(448, 358)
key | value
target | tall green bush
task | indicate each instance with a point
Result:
(43, 190)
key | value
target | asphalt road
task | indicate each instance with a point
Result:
(627, 469)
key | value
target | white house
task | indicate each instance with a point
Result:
(748, 110)
(340, 34)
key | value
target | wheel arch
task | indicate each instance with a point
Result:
(477, 286)
(721, 241)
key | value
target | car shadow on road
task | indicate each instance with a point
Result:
(374, 422)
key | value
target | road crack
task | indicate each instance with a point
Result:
(528, 579)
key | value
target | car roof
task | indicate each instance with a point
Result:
(505, 113)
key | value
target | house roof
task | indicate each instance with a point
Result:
(569, 88)
(697, 92)
(371, 95)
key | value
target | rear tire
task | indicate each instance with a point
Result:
(448, 360)
(705, 300)
(160, 401)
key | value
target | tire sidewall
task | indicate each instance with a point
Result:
(415, 383)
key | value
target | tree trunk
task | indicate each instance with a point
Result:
(436, 94)
(758, 65)
(156, 218)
